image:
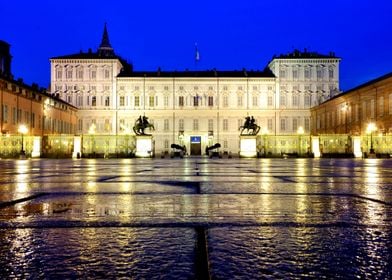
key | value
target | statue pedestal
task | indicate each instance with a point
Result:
(144, 146)
(248, 146)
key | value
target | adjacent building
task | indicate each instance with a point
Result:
(364, 112)
(28, 106)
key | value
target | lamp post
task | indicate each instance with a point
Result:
(264, 131)
(91, 131)
(369, 130)
(300, 131)
(22, 130)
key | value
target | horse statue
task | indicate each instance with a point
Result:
(141, 124)
(250, 126)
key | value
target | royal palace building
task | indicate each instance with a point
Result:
(193, 107)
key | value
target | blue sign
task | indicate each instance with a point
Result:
(195, 139)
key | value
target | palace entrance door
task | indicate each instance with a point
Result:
(195, 145)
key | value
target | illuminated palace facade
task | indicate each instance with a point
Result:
(208, 106)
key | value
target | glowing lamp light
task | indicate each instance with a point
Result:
(23, 129)
(92, 128)
(371, 127)
(300, 130)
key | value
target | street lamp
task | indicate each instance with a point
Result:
(22, 130)
(300, 131)
(369, 130)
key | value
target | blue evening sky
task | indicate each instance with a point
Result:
(230, 35)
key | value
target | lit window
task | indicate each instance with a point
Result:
(196, 101)
(122, 100)
(151, 100)
(210, 101)
(181, 101)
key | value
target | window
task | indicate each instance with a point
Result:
(14, 115)
(93, 101)
(269, 124)
(166, 144)
(381, 106)
(166, 100)
(225, 144)
(225, 125)
(122, 125)
(254, 100)
(122, 100)
(195, 124)
(319, 74)
(210, 125)
(282, 124)
(295, 100)
(79, 73)
(210, 101)
(307, 100)
(181, 125)
(307, 73)
(295, 124)
(372, 109)
(79, 100)
(269, 100)
(151, 100)
(68, 73)
(137, 101)
(295, 74)
(5, 113)
(225, 101)
(166, 125)
(283, 100)
(59, 74)
(330, 73)
(282, 74)
(363, 110)
(69, 99)
(93, 74)
(196, 101)
(107, 126)
(165, 88)
(181, 101)
(107, 101)
(239, 100)
(390, 103)
(106, 73)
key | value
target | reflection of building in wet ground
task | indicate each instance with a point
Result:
(148, 218)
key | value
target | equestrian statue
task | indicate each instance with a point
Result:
(141, 124)
(250, 126)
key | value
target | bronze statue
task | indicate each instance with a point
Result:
(250, 126)
(141, 124)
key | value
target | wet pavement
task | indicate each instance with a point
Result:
(143, 218)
